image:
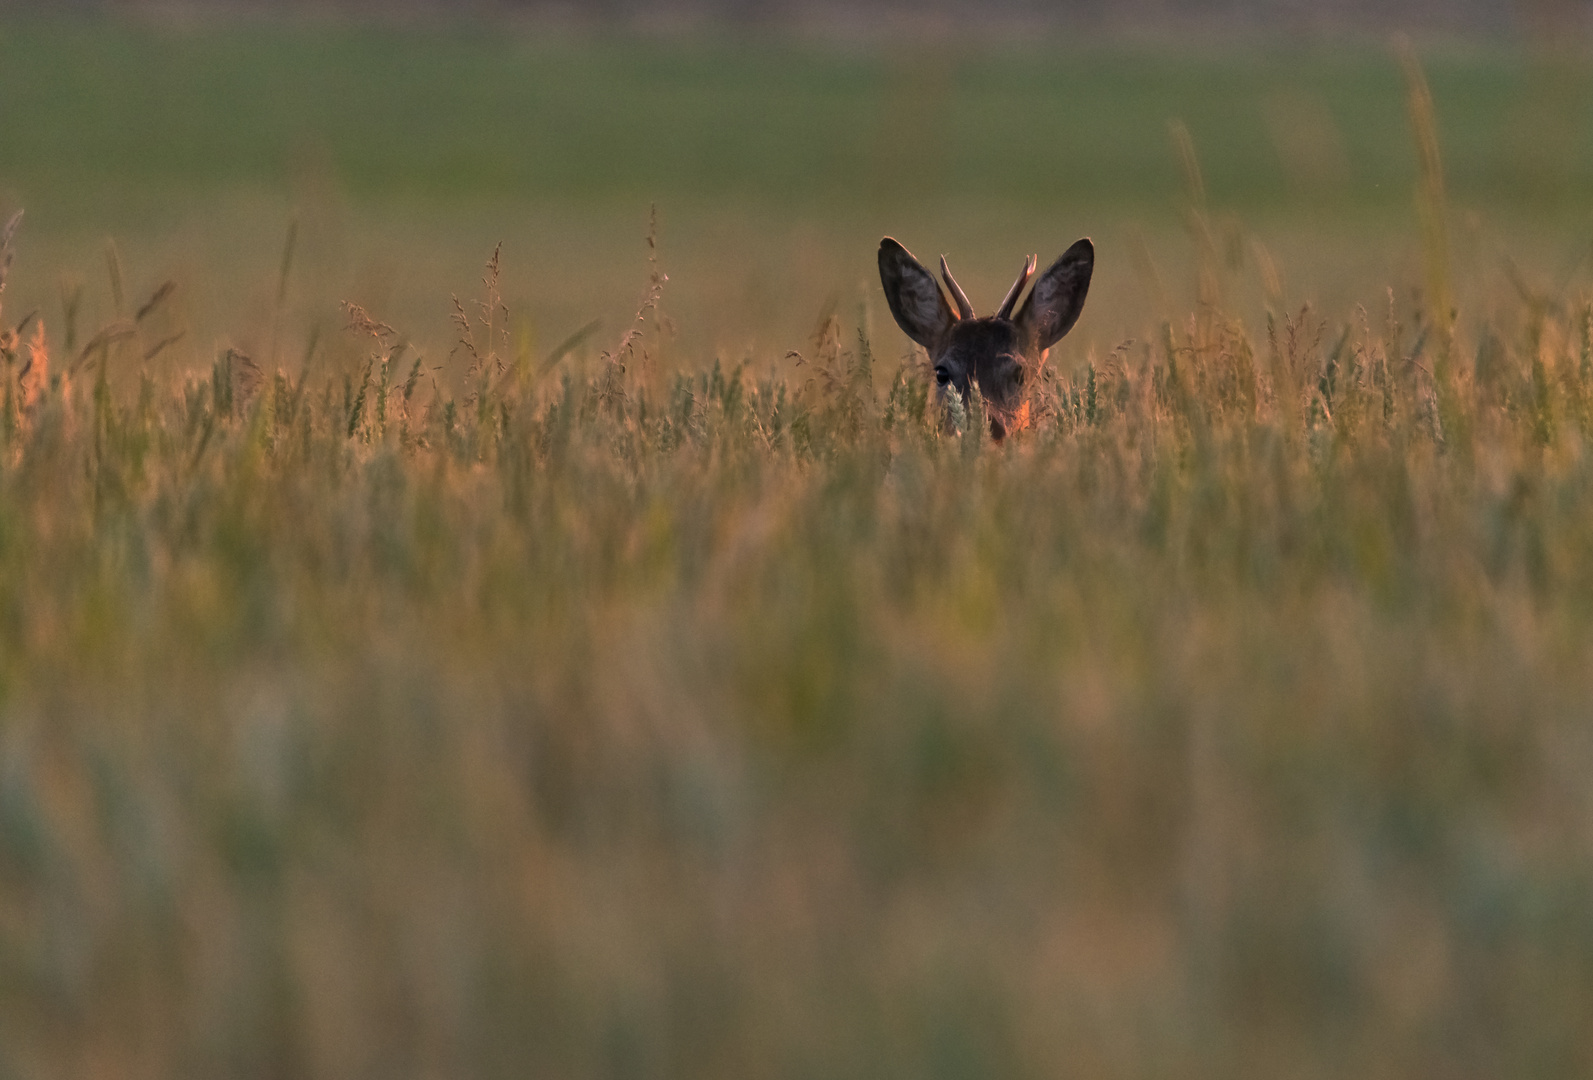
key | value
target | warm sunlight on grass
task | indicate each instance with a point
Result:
(574, 704)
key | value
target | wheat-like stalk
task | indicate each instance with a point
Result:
(8, 250)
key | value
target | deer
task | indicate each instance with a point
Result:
(999, 353)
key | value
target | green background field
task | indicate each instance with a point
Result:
(407, 153)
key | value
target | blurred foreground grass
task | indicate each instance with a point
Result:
(638, 715)
(1233, 722)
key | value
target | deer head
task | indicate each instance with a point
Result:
(999, 353)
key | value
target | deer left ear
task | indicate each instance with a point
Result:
(916, 301)
(1057, 298)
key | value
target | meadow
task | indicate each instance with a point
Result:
(401, 675)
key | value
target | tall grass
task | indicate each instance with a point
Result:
(591, 720)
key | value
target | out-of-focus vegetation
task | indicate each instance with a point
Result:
(776, 165)
(510, 702)
(460, 111)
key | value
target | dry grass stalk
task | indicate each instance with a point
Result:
(361, 322)
(616, 362)
(1431, 202)
(34, 377)
(8, 249)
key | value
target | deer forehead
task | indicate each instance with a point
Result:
(978, 342)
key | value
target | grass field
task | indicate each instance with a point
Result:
(381, 696)
(407, 154)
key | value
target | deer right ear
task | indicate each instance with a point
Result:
(1058, 296)
(915, 298)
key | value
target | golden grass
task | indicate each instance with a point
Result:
(596, 720)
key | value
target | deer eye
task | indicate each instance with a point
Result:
(942, 375)
(1017, 377)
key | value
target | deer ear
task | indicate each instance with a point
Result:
(1057, 298)
(914, 296)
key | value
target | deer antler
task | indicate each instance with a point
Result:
(964, 308)
(1017, 287)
